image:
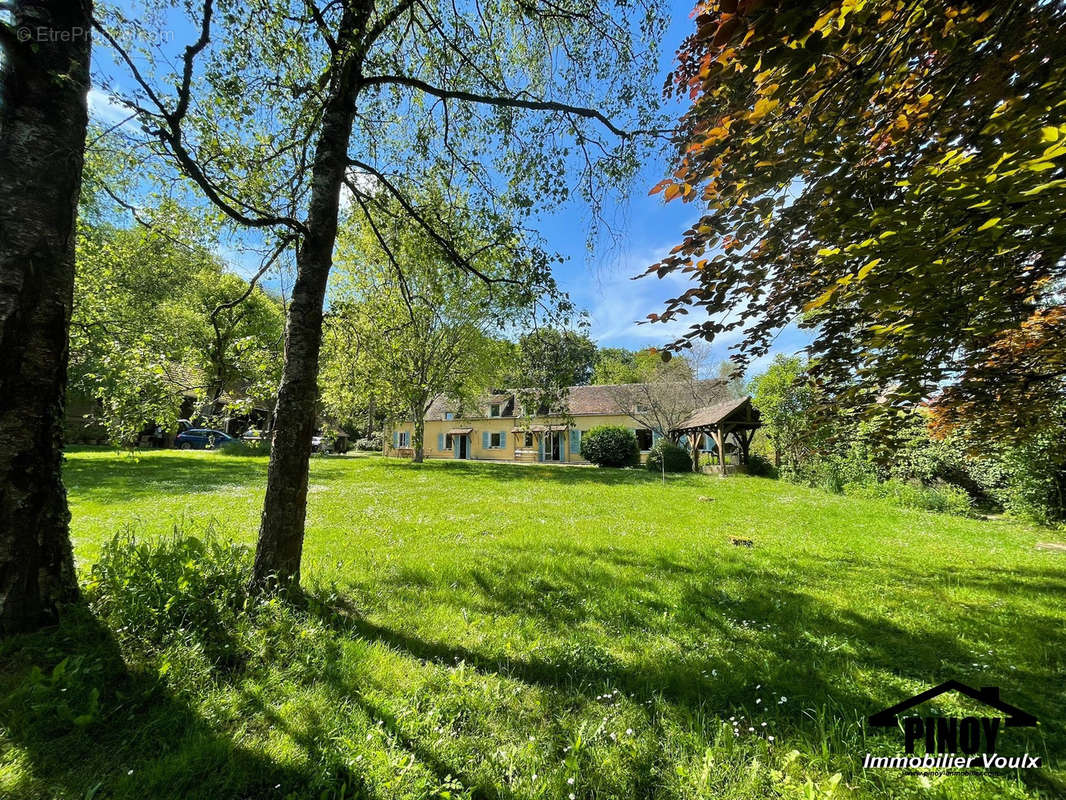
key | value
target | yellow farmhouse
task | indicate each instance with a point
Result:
(496, 430)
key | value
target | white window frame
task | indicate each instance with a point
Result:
(495, 410)
(405, 439)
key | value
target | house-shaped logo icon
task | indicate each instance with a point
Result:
(988, 695)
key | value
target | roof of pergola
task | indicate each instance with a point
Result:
(735, 414)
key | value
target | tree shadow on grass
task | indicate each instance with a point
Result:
(554, 473)
(174, 474)
(832, 662)
(94, 727)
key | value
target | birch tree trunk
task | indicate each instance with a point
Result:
(281, 530)
(43, 116)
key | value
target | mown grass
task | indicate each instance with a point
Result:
(478, 630)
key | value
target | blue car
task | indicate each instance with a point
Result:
(201, 439)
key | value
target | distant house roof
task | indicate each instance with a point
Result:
(580, 400)
(716, 414)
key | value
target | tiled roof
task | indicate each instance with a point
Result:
(713, 414)
(580, 400)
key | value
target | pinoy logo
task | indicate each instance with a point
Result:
(952, 742)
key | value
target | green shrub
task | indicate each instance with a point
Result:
(181, 590)
(942, 497)
(760, 466)
(610, 446)
(677, 458)
(370, 443)
(240, 447)
(1027, 479)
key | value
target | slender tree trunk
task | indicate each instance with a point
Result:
(43, 116)
(281, 531)
(418, 438)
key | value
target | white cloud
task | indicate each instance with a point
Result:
(106, 108)
(617, 304)
(363, 182)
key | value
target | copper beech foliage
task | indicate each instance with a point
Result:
(890, 175)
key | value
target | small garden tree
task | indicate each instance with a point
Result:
(784, 397)
(412, 325)
(665, 393)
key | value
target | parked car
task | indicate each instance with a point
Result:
(201, 439)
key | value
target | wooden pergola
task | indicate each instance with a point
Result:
(731, 418)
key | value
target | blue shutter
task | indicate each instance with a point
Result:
(540, 455)
(484, 440)
(683, 441)
(440, 441)
(395, 439)
(654, 436)
(575, 441)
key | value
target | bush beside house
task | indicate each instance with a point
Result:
(370, 443)
(610, 446)
(675, 457)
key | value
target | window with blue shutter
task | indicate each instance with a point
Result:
(440, 441)
(575, 441)
(395, 439)
(484, 440)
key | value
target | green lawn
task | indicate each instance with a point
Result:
(497, 631)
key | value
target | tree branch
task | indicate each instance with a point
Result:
(495, 100)
(285, 242)
(171, 135)
(435, 235)
(191, 52)
(405, 292)
(385, 21)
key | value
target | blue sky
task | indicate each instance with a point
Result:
(600, 281)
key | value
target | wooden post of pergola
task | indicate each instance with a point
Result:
(734, 418)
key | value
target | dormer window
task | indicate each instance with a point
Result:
(449, 415)
(494, 410)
